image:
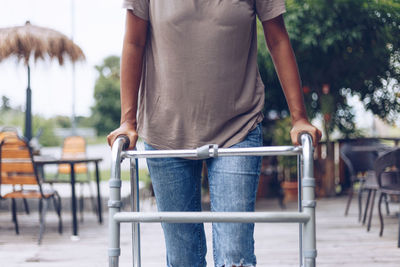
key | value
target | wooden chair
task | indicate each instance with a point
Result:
(18, 169)
(12, 132)
(388, 165)
(75, 147)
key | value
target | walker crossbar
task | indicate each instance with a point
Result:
(305, 217)
(195, 217)
(194, 153)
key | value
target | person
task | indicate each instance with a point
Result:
(189, 77)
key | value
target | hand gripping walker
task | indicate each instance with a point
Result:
(305, 216)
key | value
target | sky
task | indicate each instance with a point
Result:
(97, 27)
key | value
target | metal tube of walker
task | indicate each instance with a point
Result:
(135, 208)
(213, 152)
(114, 203)
(308, 202)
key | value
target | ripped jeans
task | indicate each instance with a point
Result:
(233, 185)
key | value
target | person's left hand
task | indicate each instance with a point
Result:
(304, 126)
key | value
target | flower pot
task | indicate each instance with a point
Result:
(290, 191)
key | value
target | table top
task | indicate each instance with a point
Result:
(370, 148)
(48, 159)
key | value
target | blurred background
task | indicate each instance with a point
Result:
(348, 54)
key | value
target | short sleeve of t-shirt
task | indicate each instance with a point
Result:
(139, 7)
(269, 9)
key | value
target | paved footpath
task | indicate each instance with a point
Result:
(341, 241)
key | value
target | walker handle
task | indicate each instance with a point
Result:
(299, 137)
(125, 140)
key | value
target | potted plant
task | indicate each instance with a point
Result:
(287, 166)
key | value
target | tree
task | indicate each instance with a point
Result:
(343, 48)
(5, 105)
(106, 111)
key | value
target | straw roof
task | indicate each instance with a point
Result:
(29, 41)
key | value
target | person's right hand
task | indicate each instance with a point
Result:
(126, 128)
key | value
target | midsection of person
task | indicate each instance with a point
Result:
(201, 78)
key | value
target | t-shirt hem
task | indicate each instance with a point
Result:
(275, 12)
(239, 138)
(135, 11)
(156, 143)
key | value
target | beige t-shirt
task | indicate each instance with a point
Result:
(200, 82)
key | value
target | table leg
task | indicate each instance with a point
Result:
(73, 200)
(98, 193)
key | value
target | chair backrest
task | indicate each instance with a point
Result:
(359, 161)
(4, 134)
(388, 163)
(73, 147)
(16, 162)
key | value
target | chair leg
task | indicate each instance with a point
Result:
(26, 206)
(350, 197)
(366, 207)
(40, 207)
(57, 207)
(360, 191)
(81, 202)
(42, 219)
(371, 210)
(387, 204)
(14, 215)
(380, 213)
(91, 194)
(92, 199)
(398, 238)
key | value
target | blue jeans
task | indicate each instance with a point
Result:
(233, 185)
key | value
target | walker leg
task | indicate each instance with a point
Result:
(308, 203)
(300, 208)
(114, 204)
(135, 207)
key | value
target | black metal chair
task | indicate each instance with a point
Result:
(387, 167)
(360, 164)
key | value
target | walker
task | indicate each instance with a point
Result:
(306, 197)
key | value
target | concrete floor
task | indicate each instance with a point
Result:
(341, 241)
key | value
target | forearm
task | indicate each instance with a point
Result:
(131, 72)
(285, 65)
(131, 65)
(286, 68)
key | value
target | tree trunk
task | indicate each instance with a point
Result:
(328, 182)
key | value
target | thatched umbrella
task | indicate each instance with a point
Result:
(29, 41)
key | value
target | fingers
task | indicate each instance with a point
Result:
(294, 136)
(132, 136)
(132, 140)
(296, 133)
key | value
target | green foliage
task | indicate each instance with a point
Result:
(12, 117)
(354, 47)
(5, 103)
(63, 121)
(107, 108)
(16, 118)
(84, 122)
(46, 129)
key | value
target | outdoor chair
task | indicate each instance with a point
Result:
(74, 147)
(388, 164)
(371, 186)
(360, 165)
(19, 170)
(12, 132)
